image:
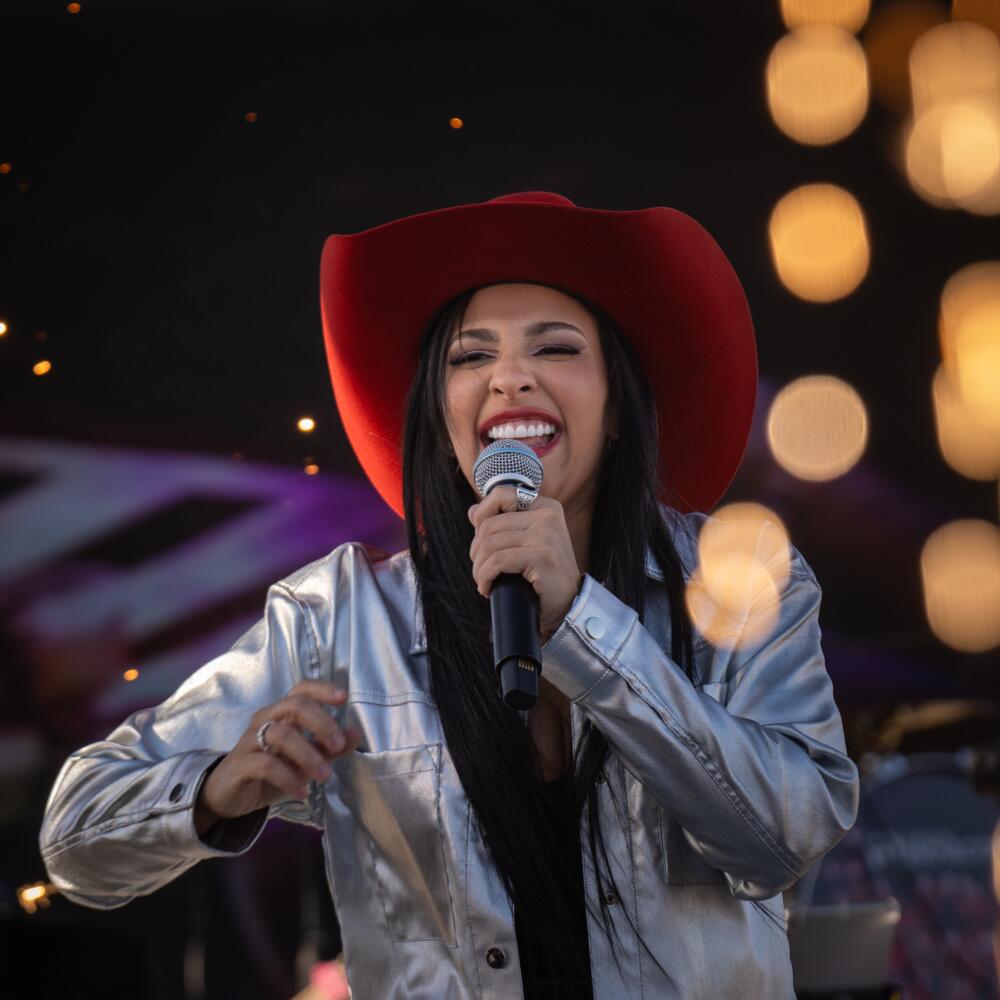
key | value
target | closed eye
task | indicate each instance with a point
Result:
(548, 349)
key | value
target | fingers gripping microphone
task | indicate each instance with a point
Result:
(517, 652)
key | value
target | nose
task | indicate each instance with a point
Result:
(510, 376)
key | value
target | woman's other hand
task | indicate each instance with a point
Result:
(534, 543)
(248, 778)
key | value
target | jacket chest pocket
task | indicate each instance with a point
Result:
(395, 796)
(683, 865)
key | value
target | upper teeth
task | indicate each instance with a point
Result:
(520, 430)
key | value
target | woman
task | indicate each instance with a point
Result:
(632, 833)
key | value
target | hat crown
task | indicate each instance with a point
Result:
(533, 198)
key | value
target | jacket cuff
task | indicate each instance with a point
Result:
(585, 646)
(225, 838)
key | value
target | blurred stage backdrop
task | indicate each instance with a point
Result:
(169, 445)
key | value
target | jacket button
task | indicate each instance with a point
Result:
(495, 958)
(176, 792)
(610, 898)
(594, 627)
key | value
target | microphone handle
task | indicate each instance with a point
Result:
(517, 651)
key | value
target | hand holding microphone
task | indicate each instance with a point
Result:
(523, 560)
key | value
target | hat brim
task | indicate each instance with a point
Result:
(656, 272)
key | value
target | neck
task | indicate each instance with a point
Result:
(578, 522)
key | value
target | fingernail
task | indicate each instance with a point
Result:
(338, 743)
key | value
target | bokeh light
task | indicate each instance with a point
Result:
(306, 424)
(42, 367)
(817, 427)
(456, 122)
(311, 469)
(5, 168)
(888, 40)
(817, 84)
(131, 674)
(952, 146)
(847, 14)
(250, 117)
(970, 333)
(3, 329)
(819, 242)
(734, 595)
(953, 61)
(748, 528)
(39, 894)
(953, 152)
(960, 569)
(969, 437)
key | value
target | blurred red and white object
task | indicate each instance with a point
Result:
(327, 981)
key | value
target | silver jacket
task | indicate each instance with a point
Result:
(717, 795)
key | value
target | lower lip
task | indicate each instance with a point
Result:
(541, 449)
(546, 448)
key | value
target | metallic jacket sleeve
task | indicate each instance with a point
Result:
(120, 819)
(761, 784)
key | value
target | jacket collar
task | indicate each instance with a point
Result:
(419, 641)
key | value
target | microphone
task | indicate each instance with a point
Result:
(517, 653)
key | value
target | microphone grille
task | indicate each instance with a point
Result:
(508, 463)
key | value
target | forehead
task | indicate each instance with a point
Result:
(511, 305)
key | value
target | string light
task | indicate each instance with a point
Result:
(131, 674)
(39, 894)
(250, 117)
(968, 435)
(960, 569)
(5, 168)
(311, 469)
(819, 242)
(42, 367)
(456, 123)
(73, 8)
(733, 596)
(3, 329)
(970, 335)
(306, 424)
(817, 428)
(817, 84)
(849, 14)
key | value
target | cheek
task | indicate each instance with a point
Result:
(461, 415)
(586, 412)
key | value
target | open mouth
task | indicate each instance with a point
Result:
(541, 444)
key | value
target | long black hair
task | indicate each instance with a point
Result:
(488, 743)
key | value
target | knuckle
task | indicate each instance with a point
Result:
(282, 730)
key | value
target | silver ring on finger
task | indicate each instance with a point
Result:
(526, 496)
(265, 747)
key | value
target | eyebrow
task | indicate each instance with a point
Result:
(535, 330)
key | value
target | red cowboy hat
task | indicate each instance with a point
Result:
(656, 272)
